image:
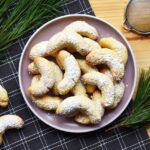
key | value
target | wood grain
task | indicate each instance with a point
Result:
(113, 12)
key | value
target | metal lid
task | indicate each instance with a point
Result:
(137, 17)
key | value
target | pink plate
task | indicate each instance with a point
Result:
(44, 33)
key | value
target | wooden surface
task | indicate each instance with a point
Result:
(113, 12)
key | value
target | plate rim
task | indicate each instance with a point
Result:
(20, 81)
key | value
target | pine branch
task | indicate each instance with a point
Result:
(26, 15)
(140, 112)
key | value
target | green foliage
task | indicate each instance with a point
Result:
(140, 111)
(25, 16)
(140, 114)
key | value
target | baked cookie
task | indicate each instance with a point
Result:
(83, 28)
(38, 49)
(117, 47)
(72, 73)
(9, 122)
(85, 68)
(3, 97)
(119, 87)
(71, 106)
(97, 100)
(109, 58)
(104, 84)
(47, 78)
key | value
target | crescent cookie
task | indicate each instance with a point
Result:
(63, 40)
(57, 71)
(72, 72)
(45, 102)
(3, 97)
(9, 122)
(38, 49)
(104, 84)
(96, 98)
(47, 79)
(83, 28)
(118, 87)
(71, 41)
(67, 40)
(85, 68)
(75, 104)
(108, 57)
(117, 46)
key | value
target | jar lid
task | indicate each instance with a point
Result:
(137, 17)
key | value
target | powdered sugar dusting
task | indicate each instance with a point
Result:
(104, 83)
(47, 102)
(83, 28)
(47, 78)
(72, 105)
(72, 71)
(108, 57)
(38, 49)
(10, 121)
(117, 46)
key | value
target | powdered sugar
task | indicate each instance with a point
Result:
(104, 83)
(38, 49)
(47, 78)
(117, 46)
(72, 71)
(47, 102)
(72, 105)
(10, 121)
(108, 57)
(83, 28)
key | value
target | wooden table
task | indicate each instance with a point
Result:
(113, 12)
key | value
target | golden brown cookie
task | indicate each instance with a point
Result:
(9, 122)
(47, 78)
(109, 58)
(45, 102)
(83, 28)
(116, 46)
(71, 106)
(3, 97)
(72, 72)
(38, 49)
(85, 68)
(104, 84)
(118, 87)
(97, 100)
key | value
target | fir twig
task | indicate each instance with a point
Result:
(25, 16)
(140, 112)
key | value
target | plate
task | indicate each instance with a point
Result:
(105, 29)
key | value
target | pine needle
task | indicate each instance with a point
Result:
(25, 16)
(4, 4)
(140, 111)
